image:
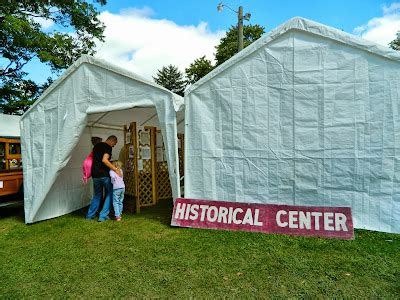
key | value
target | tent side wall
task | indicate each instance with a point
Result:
(303, 120)
(68, 192)
(52, 129)
(49, 132)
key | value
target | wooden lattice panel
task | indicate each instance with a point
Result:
(130, 157)
(130, 167)
(181, 153)
(146, 174)
(164, 190)
(163, 183)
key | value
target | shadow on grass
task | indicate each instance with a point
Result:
(12, 206)
(161, 212)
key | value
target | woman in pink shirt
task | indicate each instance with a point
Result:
(118, 189)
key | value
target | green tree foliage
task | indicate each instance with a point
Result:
(18, 97)
(198, 69)
(22, 39)
(395, 44)
(171, 78)
(228, 45)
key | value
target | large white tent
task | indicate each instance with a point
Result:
(306, 115)
(92, 98)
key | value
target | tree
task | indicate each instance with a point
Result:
(198, 69)
(20, 96)
(395, 44)
(22, 39)
(171, 78)
(228, 45)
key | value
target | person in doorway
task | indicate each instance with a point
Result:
(101, 167)
(95, 140)
(118, 189)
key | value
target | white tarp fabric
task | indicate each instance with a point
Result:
(306, 115)
(9, 125)
(92, 98)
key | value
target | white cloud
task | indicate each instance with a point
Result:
(44, 23)
(382, 30)
(143, 45)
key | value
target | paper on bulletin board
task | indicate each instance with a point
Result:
(144, 138)
(139, 128)
(140, 165)
(160, 154)
(159, 140)
(165, 155)
(128, 137)
(146, 153)
(131, 151)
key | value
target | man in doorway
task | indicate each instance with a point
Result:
(101, 178)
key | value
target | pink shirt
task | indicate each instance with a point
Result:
(118, 182)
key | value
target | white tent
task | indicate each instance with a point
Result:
(9, 125)
(306, 115)
(92, 98)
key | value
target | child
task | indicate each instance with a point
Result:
(118, 189)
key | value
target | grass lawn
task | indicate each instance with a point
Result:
(142, 256)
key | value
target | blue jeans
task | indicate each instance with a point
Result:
(98, 185)
(118, 198)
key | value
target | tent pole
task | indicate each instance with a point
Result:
(99, 118)
(106, 127)
(148, 119)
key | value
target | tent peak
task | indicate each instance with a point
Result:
(304, 25)
(88, 59)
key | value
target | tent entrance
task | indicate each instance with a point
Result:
(141, 176)
(146, 169)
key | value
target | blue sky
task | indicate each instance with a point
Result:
(144, 35)
(341, 14)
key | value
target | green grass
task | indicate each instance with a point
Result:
(143, 256)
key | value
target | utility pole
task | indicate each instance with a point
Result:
(240, 29)
(246, 17)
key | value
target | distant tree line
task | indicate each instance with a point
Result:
(171, 78)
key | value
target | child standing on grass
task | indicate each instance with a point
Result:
(118, 189)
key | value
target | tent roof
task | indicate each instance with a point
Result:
(304, 25)
(178, 101)
(9, 126)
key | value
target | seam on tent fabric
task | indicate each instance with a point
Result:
(382, 159)
(293, 123)
(323, 129)
(255, 166)
(185, 166)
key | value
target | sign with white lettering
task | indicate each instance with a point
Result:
(332, 222)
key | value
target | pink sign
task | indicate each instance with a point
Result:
(331, 222)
